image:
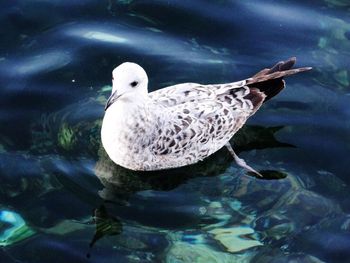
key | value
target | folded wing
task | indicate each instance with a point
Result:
(198, 120)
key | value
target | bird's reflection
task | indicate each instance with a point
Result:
(105, 225)
(120, 183)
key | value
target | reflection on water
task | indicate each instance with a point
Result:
(62, 197)
(35, 64)
(146, 41)
(17, 230)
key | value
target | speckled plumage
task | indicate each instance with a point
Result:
(183, 124)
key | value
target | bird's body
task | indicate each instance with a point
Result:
(181, 124)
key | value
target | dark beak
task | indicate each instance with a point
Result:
(111, 99)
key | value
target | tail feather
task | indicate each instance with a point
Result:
(270, 81)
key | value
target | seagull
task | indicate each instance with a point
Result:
(181, 124)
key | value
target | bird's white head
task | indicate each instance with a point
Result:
(130, 81)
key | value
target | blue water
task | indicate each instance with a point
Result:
(56, 201)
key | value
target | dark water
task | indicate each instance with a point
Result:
(55, 73)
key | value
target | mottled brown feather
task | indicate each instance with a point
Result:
(270, 81)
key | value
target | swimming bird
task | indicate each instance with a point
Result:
(181, 124)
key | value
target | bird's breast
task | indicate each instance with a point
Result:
(126, 135)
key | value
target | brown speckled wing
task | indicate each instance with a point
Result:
(199, 119)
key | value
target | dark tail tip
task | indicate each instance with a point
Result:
(270, 81)
(270, 87)
(283, 65)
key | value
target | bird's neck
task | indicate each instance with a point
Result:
(126, 109)
(125, 112)
(122, 119)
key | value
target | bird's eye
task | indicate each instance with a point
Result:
(134, 84)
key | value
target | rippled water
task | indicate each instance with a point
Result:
(57, 199)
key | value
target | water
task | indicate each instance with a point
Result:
(57, 202)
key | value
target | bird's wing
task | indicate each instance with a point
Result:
(267, 82)
(191, 92)
(197, 120)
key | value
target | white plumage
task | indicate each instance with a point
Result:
(181, 124)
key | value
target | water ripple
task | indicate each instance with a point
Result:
(145, 41)
(34, 64)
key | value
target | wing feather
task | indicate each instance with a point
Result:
(199, 119)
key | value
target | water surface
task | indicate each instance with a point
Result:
(57, 198)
